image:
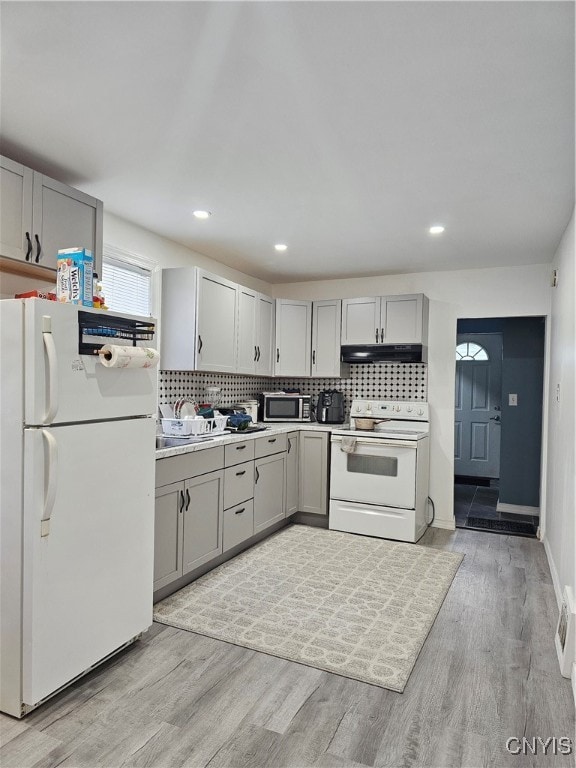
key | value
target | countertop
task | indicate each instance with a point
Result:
(227, 439)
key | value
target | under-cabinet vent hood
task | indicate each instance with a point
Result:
(384, 353)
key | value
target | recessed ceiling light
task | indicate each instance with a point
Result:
(281, 247)
(437, 229)
(202, 214)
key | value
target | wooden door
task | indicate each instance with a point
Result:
(478, 406)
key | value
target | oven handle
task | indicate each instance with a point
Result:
(375, 442)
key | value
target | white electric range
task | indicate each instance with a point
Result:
(379, 478)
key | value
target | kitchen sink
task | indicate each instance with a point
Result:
(177, 442)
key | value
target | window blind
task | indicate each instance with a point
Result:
(126, 287)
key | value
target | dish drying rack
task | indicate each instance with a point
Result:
(194, 427)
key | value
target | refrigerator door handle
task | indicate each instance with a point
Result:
(52, 358)
(52, 471)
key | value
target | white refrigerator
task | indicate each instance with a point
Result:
(77, 443)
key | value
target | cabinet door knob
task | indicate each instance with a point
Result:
(38, 249)
(28, 246)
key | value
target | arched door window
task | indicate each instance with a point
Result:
(468, 350)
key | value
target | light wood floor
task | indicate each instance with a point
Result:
(487, 672)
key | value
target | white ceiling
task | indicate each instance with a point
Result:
(344, 129)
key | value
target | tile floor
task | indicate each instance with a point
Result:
(480, 501)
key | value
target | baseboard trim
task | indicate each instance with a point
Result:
(448, 525)
(553, 572)
(517, 509)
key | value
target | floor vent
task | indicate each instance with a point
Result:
(566, 633)
(511, 527)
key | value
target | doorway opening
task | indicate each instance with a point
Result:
(498, 424)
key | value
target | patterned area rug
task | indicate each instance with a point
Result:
(353, 605)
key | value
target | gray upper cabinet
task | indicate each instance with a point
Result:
(326, 322)
(178, 319)
(16, 231)
(255, 332)
(401, 319)
(216, 324)
(39, 216)
(265, 335)
(293, 337)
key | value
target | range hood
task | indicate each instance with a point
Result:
(383, 353)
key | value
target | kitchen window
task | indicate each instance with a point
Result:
(127, 281)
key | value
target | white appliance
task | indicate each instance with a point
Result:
(76, 495)
(379, 478)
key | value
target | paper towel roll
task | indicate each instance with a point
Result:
(114, 356)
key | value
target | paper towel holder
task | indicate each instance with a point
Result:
(108, 328)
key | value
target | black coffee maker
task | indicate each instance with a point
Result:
(330, 407)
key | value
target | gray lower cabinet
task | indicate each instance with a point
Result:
(168, 534)
(269, 491)
(313, 463)
(238, 524)
(203, 517)
(188, 526)
(292, 473)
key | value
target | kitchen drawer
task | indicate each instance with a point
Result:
(236, 453)
(238, 484)
(238, 524)
(185, 465)
(266, 446)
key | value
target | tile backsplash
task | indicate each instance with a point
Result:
(376, 381)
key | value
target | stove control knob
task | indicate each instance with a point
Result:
(397, 408)
(420, 412)
(357, 409)
(409, 409)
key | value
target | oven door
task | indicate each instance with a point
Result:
(378, 471)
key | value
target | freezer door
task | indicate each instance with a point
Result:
(62, 386)
(88, 547)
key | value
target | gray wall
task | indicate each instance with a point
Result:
(521, 433)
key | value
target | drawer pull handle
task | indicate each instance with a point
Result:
(272, 440)
(238, 474)
(240, 447)
(239, 511)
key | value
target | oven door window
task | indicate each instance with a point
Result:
(385, 466)
(282, 408)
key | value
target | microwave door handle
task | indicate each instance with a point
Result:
(51, 369)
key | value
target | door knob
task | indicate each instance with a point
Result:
(494, 418)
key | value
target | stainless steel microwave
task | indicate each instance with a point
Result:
(279, 406)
